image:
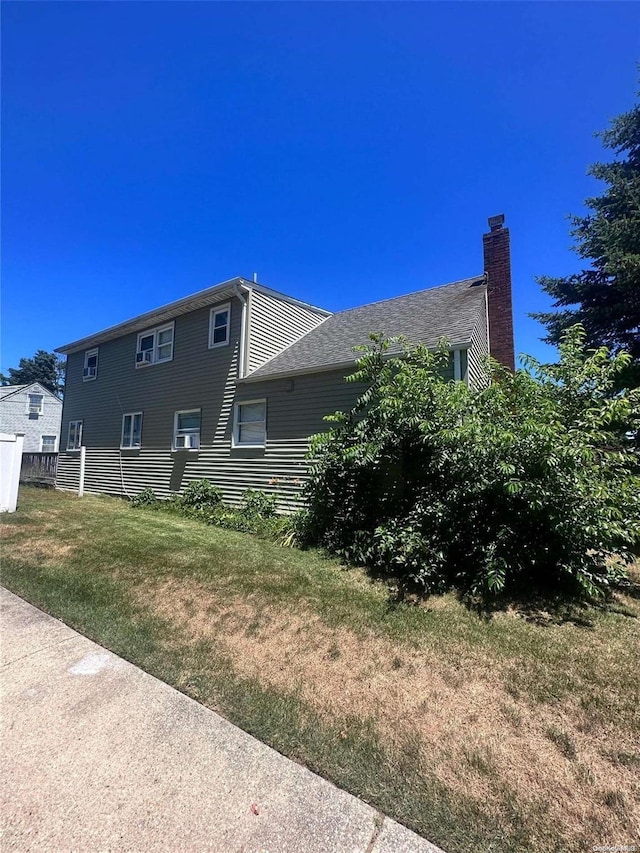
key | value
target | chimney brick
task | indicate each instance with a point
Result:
(497, 264)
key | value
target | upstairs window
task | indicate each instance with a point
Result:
(48, 444)
(219, 323)
(155, 346)
(35, 404)
(186, 430)
(74, 440)
(131, 431)
(250, 424)
(90, 370)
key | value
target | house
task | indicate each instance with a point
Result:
(230, 383)
(33, 410)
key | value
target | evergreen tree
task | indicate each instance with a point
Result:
(605, 298)
(45, 368)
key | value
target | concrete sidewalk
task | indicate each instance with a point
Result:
(97, 755)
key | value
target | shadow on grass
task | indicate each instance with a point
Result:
(564, 605)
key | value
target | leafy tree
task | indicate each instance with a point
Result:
(606, 297)
(45, 368)
(530, 481)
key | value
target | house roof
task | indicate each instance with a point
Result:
(164, 313)
(9, 390)
(426, 316)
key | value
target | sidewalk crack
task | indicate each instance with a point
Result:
(37, 652)
(377, 829)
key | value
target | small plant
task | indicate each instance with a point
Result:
(256, 502)
(201, 498)
(292, 530)
(147, 497)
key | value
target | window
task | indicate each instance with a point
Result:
(131, 431)
(250, 424)
(35, 404)
(48, 444)
(90, 370)
(75, 435)
(155, 346)
(186, 430)
(219, 322)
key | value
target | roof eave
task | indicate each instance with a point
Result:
(164, 313)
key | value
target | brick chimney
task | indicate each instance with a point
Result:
(497, 266)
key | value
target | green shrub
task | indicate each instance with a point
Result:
(147, 497)
(257, 502)
(200, 498)
(532, 480)
(291, 531)
(256, 514)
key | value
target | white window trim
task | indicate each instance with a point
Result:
(87, 356)
(212, 319)
(235, 441)
(55, 443)
(155, 332)
(124, 446)
(40, 411)
(75, 449)
(175, 431)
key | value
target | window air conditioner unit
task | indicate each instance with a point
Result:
(143, 358)
(34, 410)
(187, 442)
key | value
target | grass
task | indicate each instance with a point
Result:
(506, 731)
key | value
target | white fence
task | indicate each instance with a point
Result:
(10, 463)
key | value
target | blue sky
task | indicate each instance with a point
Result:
(347, 152)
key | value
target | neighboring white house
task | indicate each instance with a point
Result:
(34, 411)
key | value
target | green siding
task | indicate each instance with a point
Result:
(274, 324)
(197, 377)
(478, 352)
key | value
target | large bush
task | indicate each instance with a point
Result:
(532, 480)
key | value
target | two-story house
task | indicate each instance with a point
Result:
(34, 411)
(230, 383)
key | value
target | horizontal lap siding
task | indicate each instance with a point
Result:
(68, 472)
(292, 416)
(275, 324)
(15, 418)
(478, 352)
(196, 378)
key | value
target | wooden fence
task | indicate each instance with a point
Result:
(39, 468)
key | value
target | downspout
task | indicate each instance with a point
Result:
(243, 332)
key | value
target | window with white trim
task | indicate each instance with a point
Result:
(74, 439)
(219, 325)
(155, 346)
(186, 430)
(90, 370)
(131, 431)
(48, 443)
(35, 404)
(250, 424)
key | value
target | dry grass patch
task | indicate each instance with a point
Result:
(509, 730)
(462, 722)
(33, 542)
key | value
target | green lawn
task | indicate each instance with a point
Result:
(511, 731)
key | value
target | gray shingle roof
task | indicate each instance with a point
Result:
(7, 390)
(450, 310)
